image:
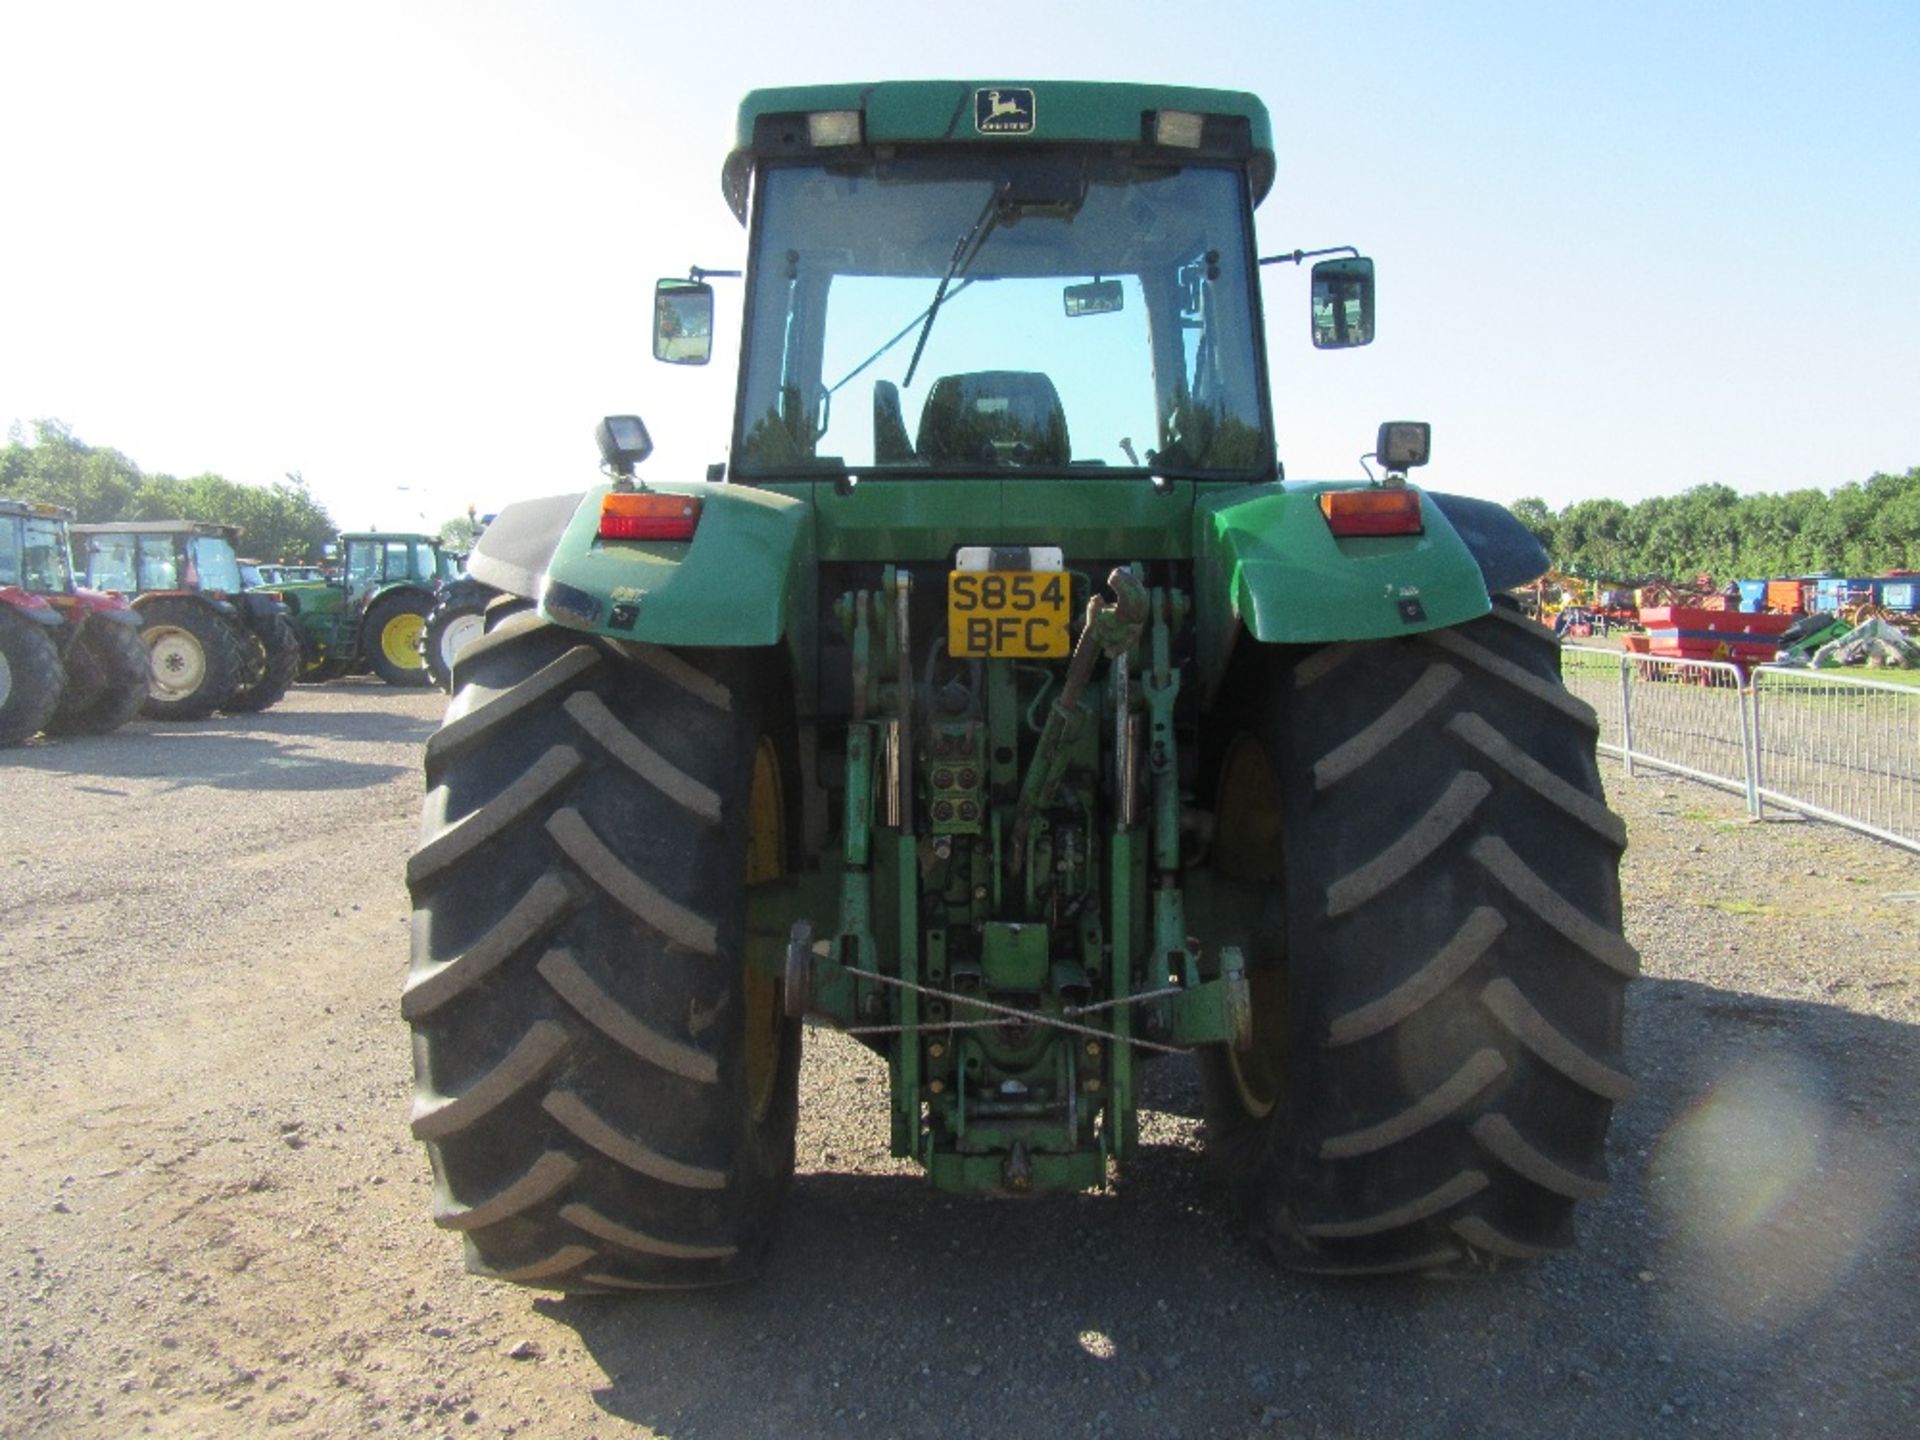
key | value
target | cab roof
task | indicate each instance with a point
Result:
(35, 509)
(773, 123)
(161, 527)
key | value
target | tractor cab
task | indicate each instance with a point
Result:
(1074, 293)
(146, 557)
(33, 548)
(374, 561)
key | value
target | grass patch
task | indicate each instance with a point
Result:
(1910, 678)
(1741, 907)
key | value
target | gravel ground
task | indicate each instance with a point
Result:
(213, 1220)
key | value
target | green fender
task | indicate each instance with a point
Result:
(745, 579)
(1266, 564)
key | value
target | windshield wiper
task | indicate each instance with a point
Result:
(964, 250)
(905, 330)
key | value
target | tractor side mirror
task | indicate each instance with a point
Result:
(683, 322)
(1342, 303)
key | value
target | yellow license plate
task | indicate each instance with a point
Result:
(995, 614)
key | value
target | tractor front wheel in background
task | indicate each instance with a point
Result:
(116, 661)
(31, 676)
(390, 637)
(458, 618)
(194, 658)
(607, 1092)
(281, 645)
(1438, 976)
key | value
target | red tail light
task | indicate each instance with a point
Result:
(645, 515)
(1393, 511)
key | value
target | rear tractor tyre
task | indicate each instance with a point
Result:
(1437, 1014)
(195, 659)
(31, 677)
(390, 638)
(607, 1094)
(117, 659)
(283, 660)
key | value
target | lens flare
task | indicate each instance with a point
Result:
(1768, 1196)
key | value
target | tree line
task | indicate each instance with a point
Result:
(1861, 528)
(281, 521)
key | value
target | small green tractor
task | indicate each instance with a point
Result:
(1001, 704)
(212, 644)
(71, 661)
(373, 613)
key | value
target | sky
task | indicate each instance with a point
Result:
(406, 249)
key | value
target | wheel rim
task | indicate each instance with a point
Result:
(461, 632)
(400, 641)
(766, 859)
(176, 662)
(1246, 848)
(6, 678)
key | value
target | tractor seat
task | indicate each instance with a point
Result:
(890, 443)
(994, 417)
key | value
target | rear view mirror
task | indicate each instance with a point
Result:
(1100, 297)
(683, 322)
(1342, 304)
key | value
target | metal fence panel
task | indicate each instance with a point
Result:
(1833, 747)
(1839, 748)
(1685, 716)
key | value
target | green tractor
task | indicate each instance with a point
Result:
(373, 613)
(212, 644)
(1016, 716)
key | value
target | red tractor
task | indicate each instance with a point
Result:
(211, 643)
(71, 660)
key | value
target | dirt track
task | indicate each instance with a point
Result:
(214, 1222)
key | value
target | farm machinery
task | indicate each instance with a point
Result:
(372, 613)
(1000, 704)
(71, 660)
(212, 644)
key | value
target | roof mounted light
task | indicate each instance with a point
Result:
(1403, 444)
(624, 443)
(1180, 129)
(833, 127)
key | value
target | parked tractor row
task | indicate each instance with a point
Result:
(162, 618)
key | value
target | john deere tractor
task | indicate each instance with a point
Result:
(71, 660)
(212, 644)
(372, 614)
(1002, 705)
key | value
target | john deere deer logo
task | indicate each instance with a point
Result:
(1003, 112)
